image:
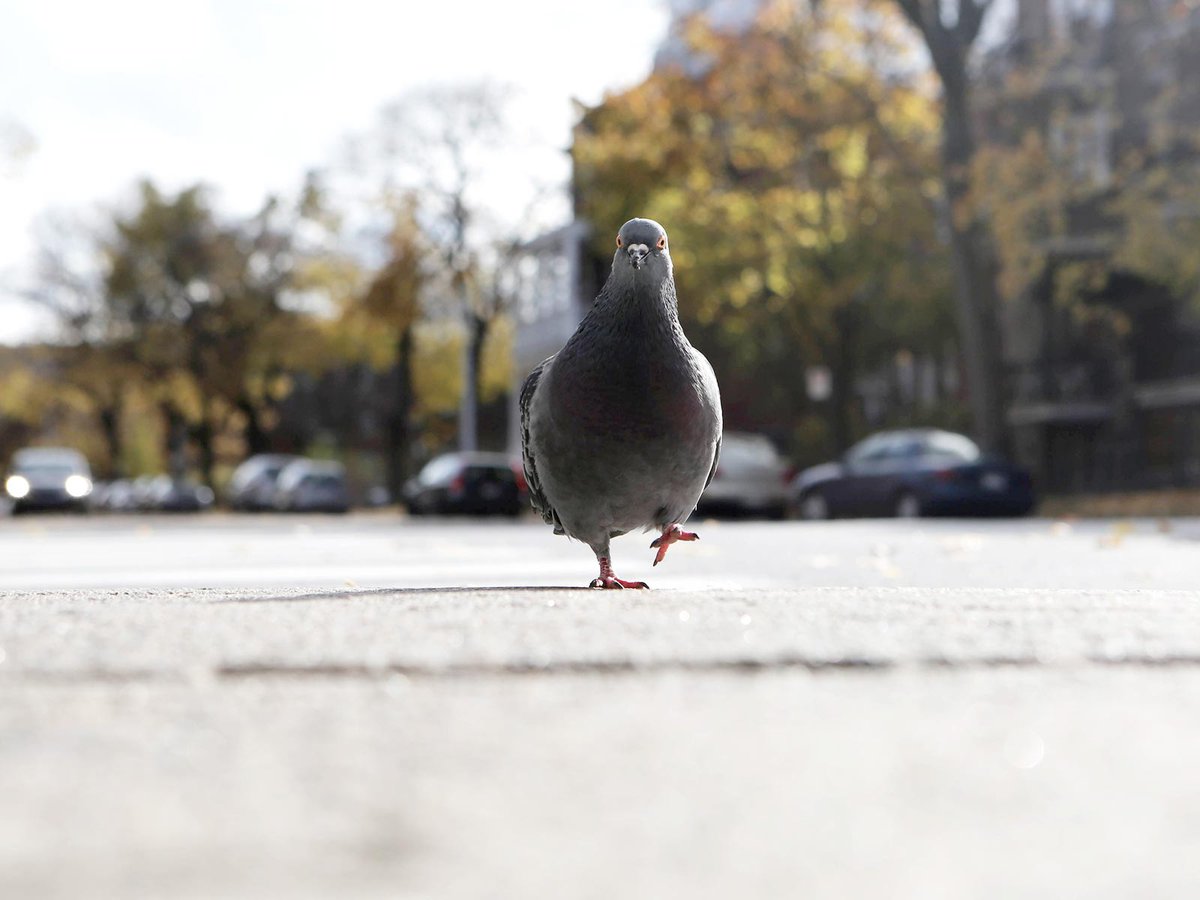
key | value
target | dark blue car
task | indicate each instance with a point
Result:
(911, 473)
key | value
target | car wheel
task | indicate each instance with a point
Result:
(908, 506)
(814, 506)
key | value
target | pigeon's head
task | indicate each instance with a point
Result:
(642, 245)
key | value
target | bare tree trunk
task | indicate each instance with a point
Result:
(468, 412)
(976, 299)
(204, 433)
(846, 321)
(110, 426)
(398, 438)
(257, 440)
(176, 441)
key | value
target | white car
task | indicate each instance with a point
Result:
(752, 478)
(48, 478)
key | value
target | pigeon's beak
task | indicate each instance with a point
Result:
(637, 252)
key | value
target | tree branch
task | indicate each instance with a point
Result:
(970, 18)
(924, 17)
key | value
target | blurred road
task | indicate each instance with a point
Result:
(378, 707)
(388, 551)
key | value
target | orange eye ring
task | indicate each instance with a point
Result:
(620, 243)
(662, 242)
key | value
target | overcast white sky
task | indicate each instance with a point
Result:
(246, 95)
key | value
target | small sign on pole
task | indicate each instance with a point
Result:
(818, 381)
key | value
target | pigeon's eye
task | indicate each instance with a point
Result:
(620, 243)
(662, 242)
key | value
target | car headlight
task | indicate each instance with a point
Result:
(78, 486)
(17, 486)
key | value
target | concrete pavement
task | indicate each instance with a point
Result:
(897, 731)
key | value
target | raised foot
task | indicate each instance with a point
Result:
(670, 535)
(609, 581)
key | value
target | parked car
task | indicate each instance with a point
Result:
(911, 473)
(252, 486)
(98, 498)
(48, 478)
(142, 488)
(472, 483)
(117, 496)
(751, 478)
(308, 485)
(167, 494)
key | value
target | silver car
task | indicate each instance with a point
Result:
(252, 487)
(309, 485)
(48, 478)
(751, 478)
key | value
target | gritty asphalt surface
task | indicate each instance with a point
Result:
(374, 707)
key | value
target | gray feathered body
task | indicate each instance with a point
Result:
(622, 427)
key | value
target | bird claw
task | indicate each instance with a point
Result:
(613, 583)
(670, 535)
(609, 581)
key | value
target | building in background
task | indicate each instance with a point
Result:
(558, 281)
(1104, 383)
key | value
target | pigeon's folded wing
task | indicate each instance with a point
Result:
(711, 390)
(536, 497)
(716, 459)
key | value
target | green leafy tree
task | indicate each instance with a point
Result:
(201, 306)
(795, 180)
(1088, 179)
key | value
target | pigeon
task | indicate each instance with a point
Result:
(621, 429)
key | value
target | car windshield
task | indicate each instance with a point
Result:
(47, 470)
(258, 468)
(439, 469)
(871, 448)
(750, 449)
(323, 481)
(956, 447)
(490, 473)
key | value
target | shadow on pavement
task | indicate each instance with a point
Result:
(388, 592)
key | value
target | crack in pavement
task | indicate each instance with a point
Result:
(365, 671)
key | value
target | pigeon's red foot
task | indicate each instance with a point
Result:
(670, 535)
(610, 581)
